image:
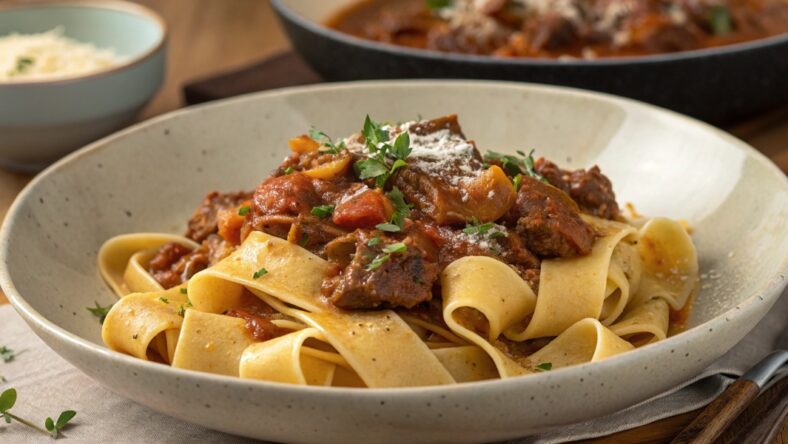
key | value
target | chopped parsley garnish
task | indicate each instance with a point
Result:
(476, 228)
(22, 64)
(183, 307)
(720, 20)
(378, 261)
(514, 165)
(399, 247)
(7, 401)
(438, 4)
(380, 152)
(304, 241)
(374, 241)
(289, 170)
(401, 208)
(544, 367)
(401, 211)
(322, 211)
(327, 145)
(164, 299)
(390, 249)
(184, 290)
(7, 355)
(260, 273)
(390, 228)
(244, 210)
(99, 311)
(517, 181)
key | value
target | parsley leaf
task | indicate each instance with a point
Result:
(401, 208)
(328, 145)
(54, 427)
(8, 355)
(182, 309)
(517, 181)
(244, 210)
(184, 290)
(438, 4)
(516, 166)
(720, 20)
(164, 299)
(99, 311)
(289, 170)
(401, 148)
(378, 261)
(322, 211)
(476, 228)
(391, 228)
(22, 64)
(374, 241)
(377, 141)
(369, 168)
(399, 247)
(260, 273)
(7, 401)
(545, 366)
(374, 134)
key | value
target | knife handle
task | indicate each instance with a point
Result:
(718, 415)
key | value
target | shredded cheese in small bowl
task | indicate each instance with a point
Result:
(50, 55)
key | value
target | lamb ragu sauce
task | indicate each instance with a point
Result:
(563, 28)
(390, 237)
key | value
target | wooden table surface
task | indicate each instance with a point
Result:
(211, 36)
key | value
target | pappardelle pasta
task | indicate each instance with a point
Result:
(400, 256)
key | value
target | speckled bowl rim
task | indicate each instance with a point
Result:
(112, 5)
(426, 54)
(772, 287)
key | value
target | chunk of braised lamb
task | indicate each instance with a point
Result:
(291, 194)
(591, 189)
(551, 32)
(548, 221)
(160, 266)
(175, 264)
(446, 178)
(375, 278)
(204, 220)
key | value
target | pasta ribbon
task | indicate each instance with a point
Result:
(587, 340)
(123, 260)
(140, 322)
(493, 289)
(211, 343)
(644, 323)
(576, 288)
(285, 359)
(670, 262)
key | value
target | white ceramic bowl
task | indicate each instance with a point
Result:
(150, 177)
(42, 120)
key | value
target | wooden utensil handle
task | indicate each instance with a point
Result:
(718, 415)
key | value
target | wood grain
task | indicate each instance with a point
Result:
(761, 422)
(720, 414)
(212, 36)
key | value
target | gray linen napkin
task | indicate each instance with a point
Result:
(46, 385)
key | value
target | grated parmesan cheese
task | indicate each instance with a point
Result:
(50, 55)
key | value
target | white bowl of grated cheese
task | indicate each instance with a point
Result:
(72, 72)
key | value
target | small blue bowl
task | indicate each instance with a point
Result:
(42, 120)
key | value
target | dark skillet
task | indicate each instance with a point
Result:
(719, 85)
